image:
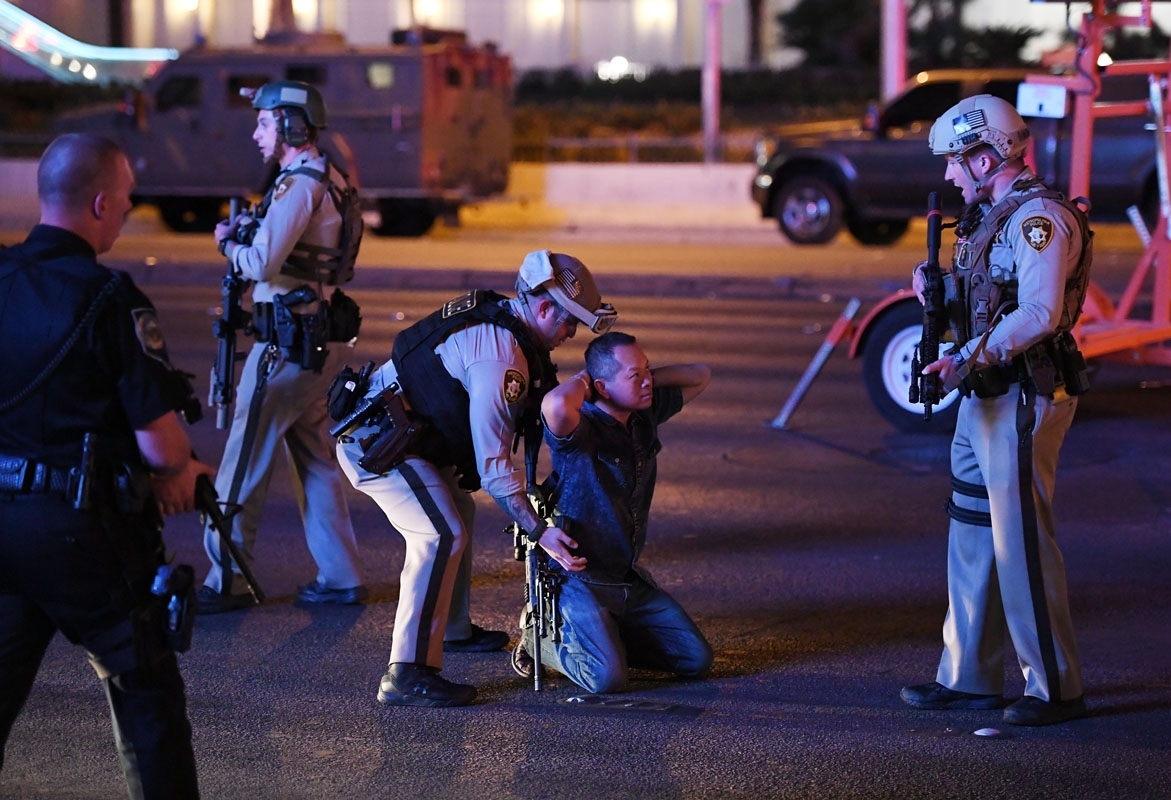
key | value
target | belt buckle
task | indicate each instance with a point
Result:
(41, 478)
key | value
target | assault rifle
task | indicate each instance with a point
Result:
(541, 609)
(207, 502)
(232, 318)
(927, 389)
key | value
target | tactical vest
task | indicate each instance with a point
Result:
(441, 400)
(987, 293)
(325, 265)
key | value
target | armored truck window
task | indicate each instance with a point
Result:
(380, 75)
(238, 82)
(184, 91)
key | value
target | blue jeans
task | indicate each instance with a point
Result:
(608, 628)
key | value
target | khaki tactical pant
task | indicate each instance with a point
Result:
(280, 410)
(435, 517)
(1006, 569)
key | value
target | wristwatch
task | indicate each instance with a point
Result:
(538, 531)
(958, 358)
(222, 245)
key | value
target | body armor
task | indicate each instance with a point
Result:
(441, 400)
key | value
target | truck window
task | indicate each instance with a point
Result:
(238, 82)
(923, 103)
(184, 91)
(312, 74)
(380, 74)
(455, 77)
(1005, 90)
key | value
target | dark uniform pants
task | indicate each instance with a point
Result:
(58, 572)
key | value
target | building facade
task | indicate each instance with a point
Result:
(583, 34)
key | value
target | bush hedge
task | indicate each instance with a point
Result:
(647, 115)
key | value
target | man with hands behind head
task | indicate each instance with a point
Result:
(602, 431)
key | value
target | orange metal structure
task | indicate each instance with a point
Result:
(1106, 330)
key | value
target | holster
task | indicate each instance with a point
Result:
(992, 381)
(303, 335)
(346, 389)
(386, 449)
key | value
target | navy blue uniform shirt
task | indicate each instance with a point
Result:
(115, 379)
(606, 476)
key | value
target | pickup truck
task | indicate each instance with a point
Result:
(873, 176)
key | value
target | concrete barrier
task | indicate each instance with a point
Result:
(642, 194)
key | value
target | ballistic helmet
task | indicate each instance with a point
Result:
(570, 285)
(292, 94)
(980, 119)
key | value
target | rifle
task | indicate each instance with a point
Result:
(927, 389)
(232, 318)
(208, 504)
(541, 605)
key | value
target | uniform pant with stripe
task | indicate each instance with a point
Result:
(434, 515)
(1004, 568)
(281, 410)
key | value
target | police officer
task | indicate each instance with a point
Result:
(1020, 274)
(90, 395)
(283, 247)
(472, 375)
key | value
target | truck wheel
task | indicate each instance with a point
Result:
(886, 368)
(881, 232)
(808, 210)
(191, 214)
(405, 218)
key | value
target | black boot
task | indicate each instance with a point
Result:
(420, 685)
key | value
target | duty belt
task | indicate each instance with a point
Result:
(22, 476)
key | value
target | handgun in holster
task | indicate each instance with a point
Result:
(386, 448)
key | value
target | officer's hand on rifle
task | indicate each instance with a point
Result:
(226, 229)
(948, 369)
(558, 545)
(175, 492)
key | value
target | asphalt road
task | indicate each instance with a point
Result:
(813, 557)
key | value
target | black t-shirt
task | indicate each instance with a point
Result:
(116, 378)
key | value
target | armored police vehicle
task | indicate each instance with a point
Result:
(422, 125)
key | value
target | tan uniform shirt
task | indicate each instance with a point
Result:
(299, 211)
(1042, 243)
(492, 368)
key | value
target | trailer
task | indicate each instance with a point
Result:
(887, 335)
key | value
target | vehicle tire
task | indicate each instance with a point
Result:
(886, 369)
(808, 209)
(191, 214)
(880, 232)
(405, 218)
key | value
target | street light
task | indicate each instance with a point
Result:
(710, 86)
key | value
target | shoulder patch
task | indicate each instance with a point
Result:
(514, 386)
(150, 335)
(458, 305)
(1038, 232)
(285, 184)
